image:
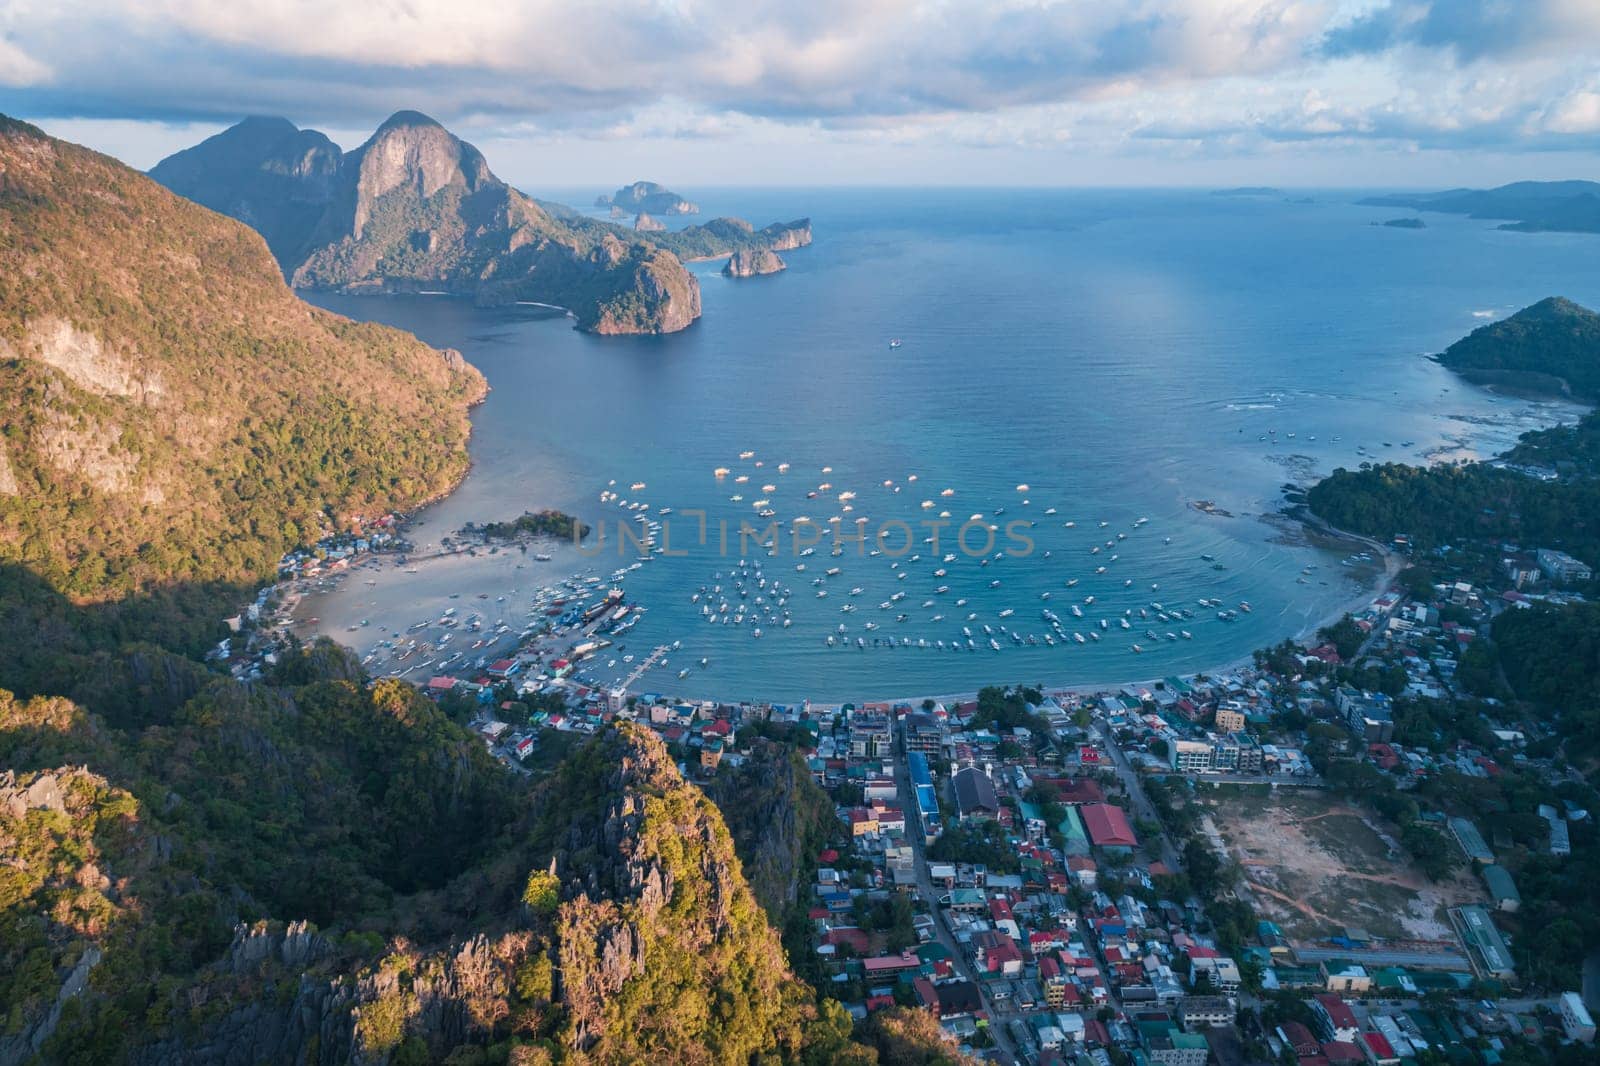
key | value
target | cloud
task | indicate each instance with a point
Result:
(18, 68)
(1470, 30)
(1102, 75)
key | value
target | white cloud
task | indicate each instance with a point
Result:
(1107, 75)
(19, 69)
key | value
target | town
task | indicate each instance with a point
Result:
(1307, 860)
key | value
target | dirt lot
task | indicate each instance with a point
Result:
(1316, 867)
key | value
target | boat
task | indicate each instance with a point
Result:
(897, 342)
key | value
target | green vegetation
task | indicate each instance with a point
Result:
(1446, 505)
(1551, 657)
(1553, 339)
(1005, 709)
(906, 1037)
(311, 865)
(977, 842)
(546, 523)
(176, 418)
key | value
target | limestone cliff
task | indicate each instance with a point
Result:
(749, 263)
(648, 196)
(632, 937)
(416, 208)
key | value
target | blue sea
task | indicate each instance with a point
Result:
(1154, 364)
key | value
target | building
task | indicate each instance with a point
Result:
(870, 737)
(1575, 1018)
(1343, 976)
(1203, 1012)
(923, 733)
(1299, 1039)
(1108, 826)
(1237, 753)
(1219, 971)
(927, 799)
(1229, 720)
(1502, 889)
(1368, 715)
(1167, 1045)
(1486, 948)
(1472, 843)
(1335, 1019)
(1560, 836)
(975, 795)
(1559, 566)
(996, 952)
(711, 755)
(1189, 756)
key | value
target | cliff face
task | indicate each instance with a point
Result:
(648, 196)
(779, 818)
(747, 263)
(170, 402)
(264, 172)
(613, 925)
(417, 208)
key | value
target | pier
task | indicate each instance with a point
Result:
(654, 657)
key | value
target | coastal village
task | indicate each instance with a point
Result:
(1143, 874)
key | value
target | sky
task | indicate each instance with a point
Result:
(1412, 93)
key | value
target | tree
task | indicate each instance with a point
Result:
(1432, 852)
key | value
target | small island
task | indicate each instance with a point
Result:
(546, 523)
(1531, 206)
(648, 196)
(647, 224)
(1403, 223)
(753, 262)
(1552, 347)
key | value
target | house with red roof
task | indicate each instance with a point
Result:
(1108, 827)
(995, 952)
(848, 936)
(1299, 1039)
(891, 965)
(1334, 1018)
(1379, 1050)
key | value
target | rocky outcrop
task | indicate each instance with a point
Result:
(784, 236)
(416, 208)
(648, 196)
(264, 172)
(779, 819)
(749, 263)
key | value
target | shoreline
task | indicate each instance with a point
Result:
(1379, 583)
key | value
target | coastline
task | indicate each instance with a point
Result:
(1382, 582)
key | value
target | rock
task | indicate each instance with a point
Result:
(751, 262)
(645, 224)
(648, 196)
(416, 208)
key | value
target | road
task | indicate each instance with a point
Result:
(1141, 806)
(925, 886)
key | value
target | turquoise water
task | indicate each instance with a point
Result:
(1120, 353)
